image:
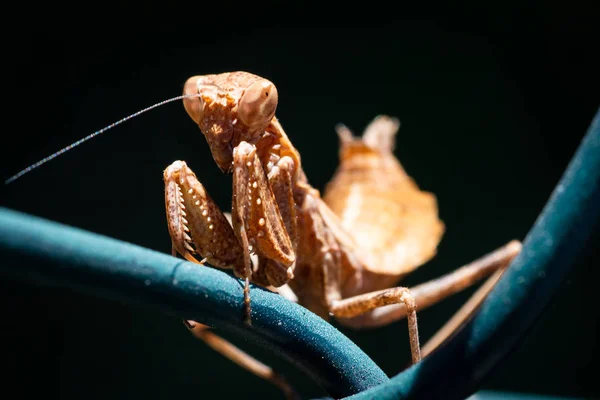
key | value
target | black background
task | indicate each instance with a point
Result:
(493, 104)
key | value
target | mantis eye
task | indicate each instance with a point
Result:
(258, 103)
(193, 105)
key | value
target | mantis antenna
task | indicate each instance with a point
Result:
(92, 135)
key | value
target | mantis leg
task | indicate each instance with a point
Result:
(198, 229)
(462, 314)
(367, 310)
(356, 305)
(241, 358)
(197, 226)
(258, 223)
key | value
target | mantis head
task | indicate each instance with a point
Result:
(231, 107)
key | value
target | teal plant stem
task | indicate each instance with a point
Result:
(550, 250)
(47, 253)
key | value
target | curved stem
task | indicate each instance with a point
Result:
(48, 253)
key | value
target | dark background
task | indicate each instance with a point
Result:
(493, 104)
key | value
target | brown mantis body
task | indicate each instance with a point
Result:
(341, 253)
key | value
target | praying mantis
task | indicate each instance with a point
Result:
(340, 254)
